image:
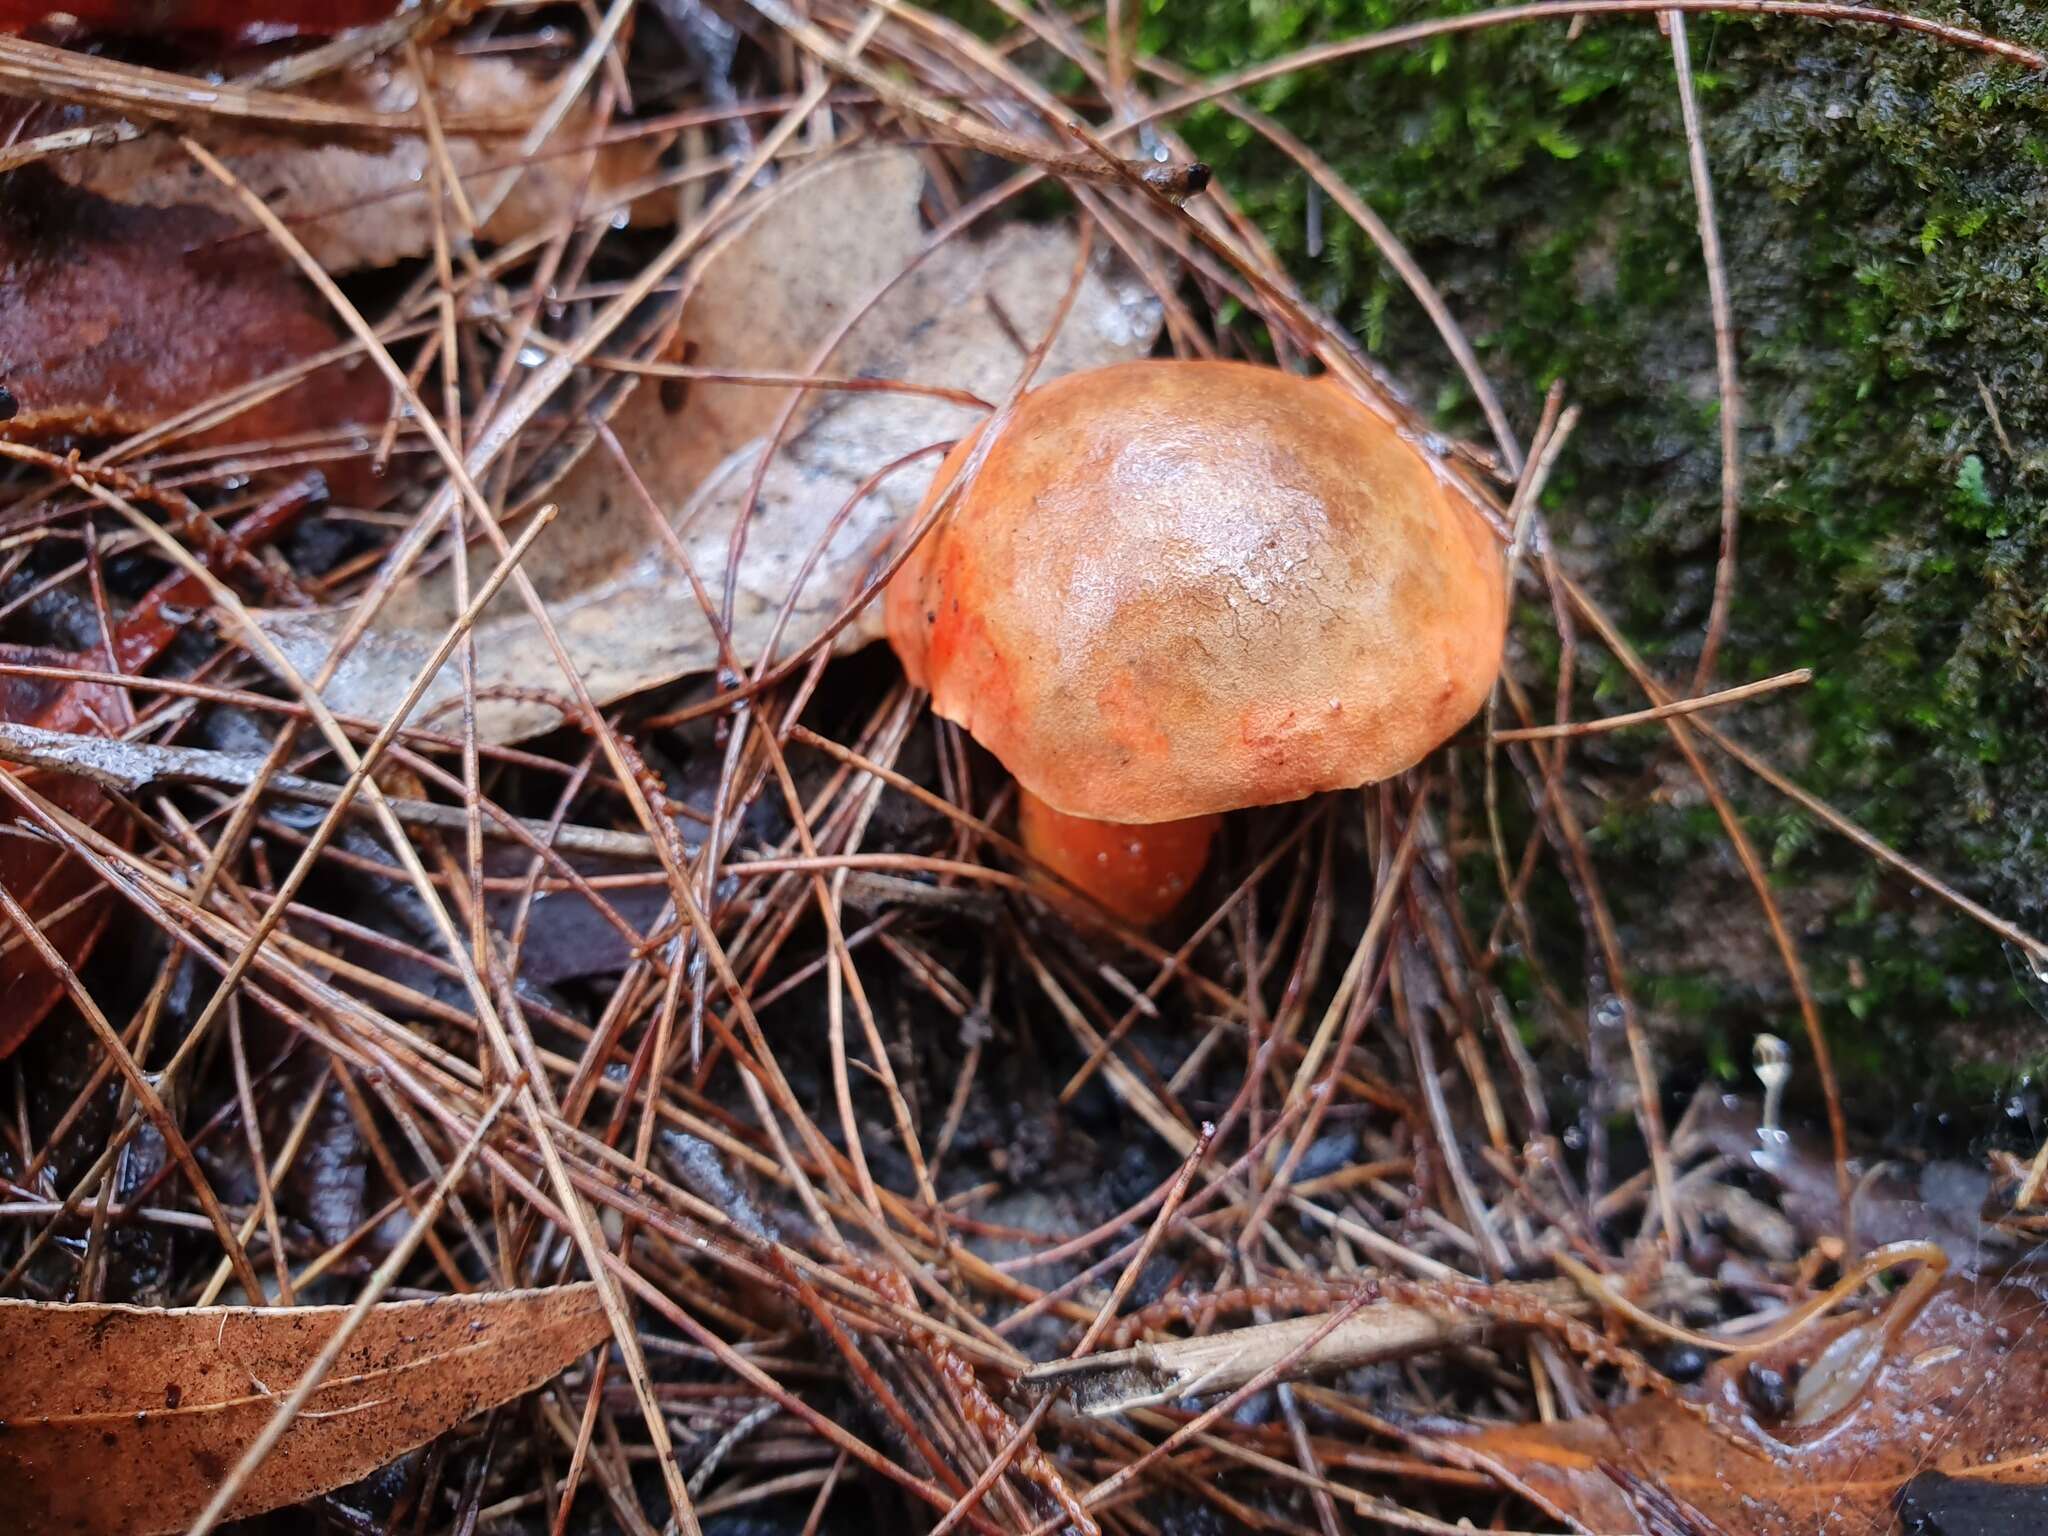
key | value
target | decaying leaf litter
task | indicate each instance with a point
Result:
(850, 1135)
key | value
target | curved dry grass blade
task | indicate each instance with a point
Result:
(1396, 254)
(1575, 10)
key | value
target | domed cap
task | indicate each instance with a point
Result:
(1177, 588)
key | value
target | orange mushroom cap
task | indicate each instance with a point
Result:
(1179, 588)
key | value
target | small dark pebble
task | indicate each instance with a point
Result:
(1768, 1391)
(1936, 1505)
(1682, 1362)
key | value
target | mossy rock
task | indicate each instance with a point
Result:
(1881, 200)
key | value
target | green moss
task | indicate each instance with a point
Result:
(1881, 202)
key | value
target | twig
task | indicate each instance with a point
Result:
(1991, 410)
(131, 766)
(41, 72)
(1724, 353)
(1796, 678)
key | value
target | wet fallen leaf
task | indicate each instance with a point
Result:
(368, 202)
(122, 1421)
(1956, 1404)
(269, 18)
(87, 287)
(330, 1178)
(764, 298)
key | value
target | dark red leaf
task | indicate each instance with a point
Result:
(61, 893)
(250, 18)
(113, 318)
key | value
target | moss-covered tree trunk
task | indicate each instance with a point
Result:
(1883, 201)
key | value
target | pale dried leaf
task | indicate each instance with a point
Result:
(367, 202)
(763, 299)
(1156, 1372)
(122, 1421)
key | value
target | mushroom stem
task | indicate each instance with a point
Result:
(1140, 873)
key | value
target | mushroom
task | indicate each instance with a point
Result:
(1174, 589)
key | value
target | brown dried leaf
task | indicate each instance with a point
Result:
(763, 299)
(368, 202)
(114, 318)
(1957, 1398)
(122, 1421)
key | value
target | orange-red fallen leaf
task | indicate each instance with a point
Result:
(61, 893)
(1962, 1395)
(114, 318)
(122, 1421)
(270, 18)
